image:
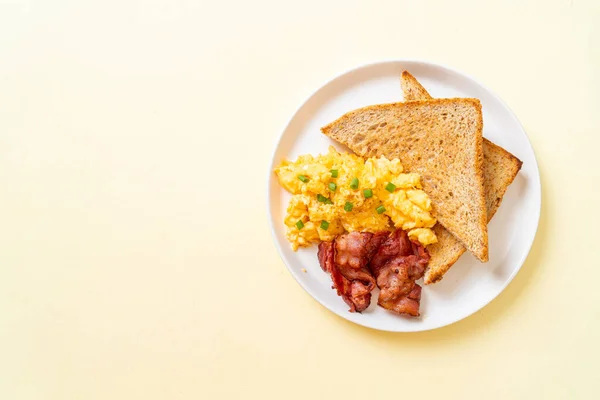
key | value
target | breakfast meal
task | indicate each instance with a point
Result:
(416, 194)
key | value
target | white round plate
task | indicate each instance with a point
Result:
(469, 285)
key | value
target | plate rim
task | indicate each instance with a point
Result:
(279, 138)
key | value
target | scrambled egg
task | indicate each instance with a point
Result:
(340, 192)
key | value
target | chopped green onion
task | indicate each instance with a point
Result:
(299, 224)
(332, 186)
(303, 178)
(380, 209)
(324, 225)
(323, 199)
(334, 173)
(354, 184)
(390, 187)
(348, 206)
(368, 193)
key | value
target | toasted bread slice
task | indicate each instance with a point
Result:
(439, 139)
(499, 170)
(412, 89)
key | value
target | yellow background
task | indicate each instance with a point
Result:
(135, 256)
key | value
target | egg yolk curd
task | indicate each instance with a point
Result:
(337, 192)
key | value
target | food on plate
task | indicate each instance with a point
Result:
(358, 261)
(397, 264)
(345, 259)
(441, 140)
(338, 192)
(356, 294)
(376, 223)
(499, 170)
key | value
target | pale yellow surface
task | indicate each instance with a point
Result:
(135, 256)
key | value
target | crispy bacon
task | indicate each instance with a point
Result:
(395, 244)
(404, 305)
(355, 293)
(325, 256)
(352, 254)
(397, 264)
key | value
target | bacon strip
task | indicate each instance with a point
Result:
(352, 254)
(408, 304)
(355, 293)
(397, 264)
